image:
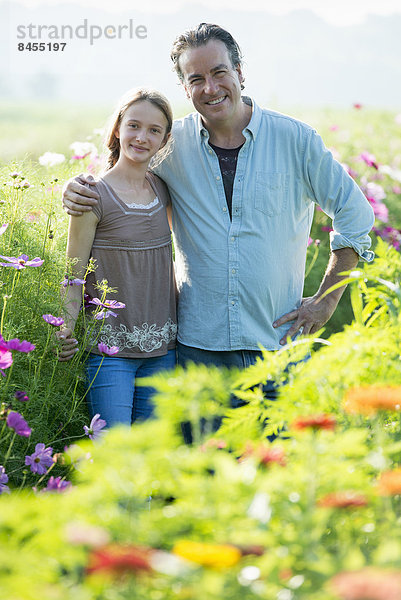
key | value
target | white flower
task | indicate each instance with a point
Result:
(248, 574)
(296, 581)
(49, 159)
(285, 594)
(393, 173)
(260, 508)
(167, 563)
(81, 149)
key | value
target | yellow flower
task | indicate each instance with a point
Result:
(368, 400)
(208, 555)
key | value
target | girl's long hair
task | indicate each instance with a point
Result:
(112, 142)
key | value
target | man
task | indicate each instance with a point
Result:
(243, 183)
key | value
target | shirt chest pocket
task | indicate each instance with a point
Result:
(271, 192)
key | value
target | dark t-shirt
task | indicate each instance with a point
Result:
(228, 165)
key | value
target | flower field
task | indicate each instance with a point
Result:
(296, 499)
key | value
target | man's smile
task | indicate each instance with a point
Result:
(216, 101)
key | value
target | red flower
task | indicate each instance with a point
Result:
(271, 455)
(357, 105)
(315, 422)
(265, 454)
(119, 559)
(347, 499)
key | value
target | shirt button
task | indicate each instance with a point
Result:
(232, 302)
(218, 178)
(210, 151)
(224, 209)
(232, 238)
(233, 271)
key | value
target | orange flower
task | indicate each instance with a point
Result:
(315, 422)
(119, 559)
(208, 555)
(390, 483)
(368, 400)
(368, 583)
(346, 499)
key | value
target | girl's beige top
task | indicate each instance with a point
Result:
(133, 251)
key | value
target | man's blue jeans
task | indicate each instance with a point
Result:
(114, 393)
(240, 359)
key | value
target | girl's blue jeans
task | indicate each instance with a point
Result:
(114, 393)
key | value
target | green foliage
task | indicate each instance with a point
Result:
(143, 489)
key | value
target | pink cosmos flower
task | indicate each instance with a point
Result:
(17, 422)
(3, 480)
(57, 484)
(380, 210)
(23, 346)
(6, 359)
(94, 429)
(106, 351)
(369, 159)
(103, 314)
(40, 460)
(334, 128)
(357, 105)
(21, 396)
(55, 321)
(393, 236)
(71, 281)
(107, 303)
(21, 262)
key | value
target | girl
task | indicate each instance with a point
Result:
(129, 237)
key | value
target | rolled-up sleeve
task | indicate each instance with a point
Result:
(330, 186)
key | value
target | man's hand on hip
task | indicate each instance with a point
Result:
(314, 312)
(310, 316)
(77, 197)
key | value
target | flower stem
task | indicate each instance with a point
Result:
(7, 456)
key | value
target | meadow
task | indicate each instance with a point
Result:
(134, 513)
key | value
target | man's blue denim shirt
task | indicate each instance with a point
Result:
(236, 277)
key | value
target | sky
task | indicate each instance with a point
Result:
(337, 12)
(328, 53)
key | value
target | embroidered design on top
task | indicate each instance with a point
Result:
(150, 205)
(147, 338)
